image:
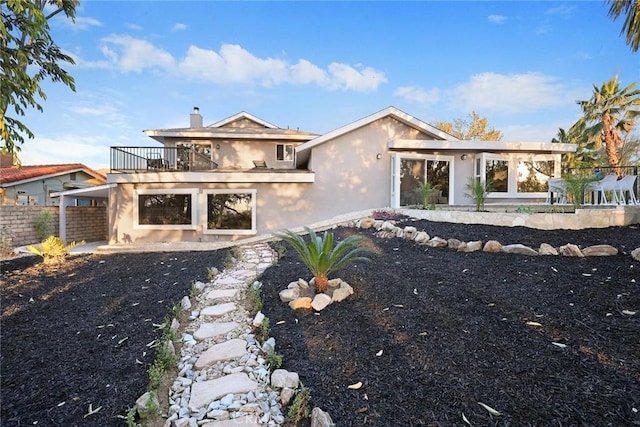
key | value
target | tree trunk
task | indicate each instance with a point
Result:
(612, 143)
(321, 283)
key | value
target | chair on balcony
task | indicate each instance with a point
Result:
(260, 164)
(155, 163)
(601, 188)
(627, 185)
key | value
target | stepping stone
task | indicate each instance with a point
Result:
(212, 330)
(218, 310)
(232, 349)
(204, 392)
(249, 421)
(229, 281)
(222, 294)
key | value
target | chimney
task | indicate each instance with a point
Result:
(6, 160)
(195, 118)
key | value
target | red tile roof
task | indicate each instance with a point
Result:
(14, 173)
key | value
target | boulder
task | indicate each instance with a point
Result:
(342, 292)
(319, 418)
(636, 254)
(147, 405)
(519, 249)
(470, 246)
(570, 250)
(303, 302)
(547, 249)
(453, 243)
(388, 226)
(409, 232)
(437, 242)
(421, 237)
(281, 378)
(492, 246)
(287, 295)
(366, 223)
(320, 301)
(600, 250)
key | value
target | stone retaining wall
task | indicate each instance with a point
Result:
(582, 218)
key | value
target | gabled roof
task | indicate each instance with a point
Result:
(242, 115)
(14, 175)
(397, 114)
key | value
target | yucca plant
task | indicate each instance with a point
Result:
(477, 190)
(321, 257)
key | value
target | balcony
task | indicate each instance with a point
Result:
(159, 159)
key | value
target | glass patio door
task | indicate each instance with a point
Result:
(415, 170)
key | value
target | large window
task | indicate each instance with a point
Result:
(284, 152)
(230, 211)
(514, 175)
(165, 209)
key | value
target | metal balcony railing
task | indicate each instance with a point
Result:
(159, 159)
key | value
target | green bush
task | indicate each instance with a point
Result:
(43, 223)
(477, 190)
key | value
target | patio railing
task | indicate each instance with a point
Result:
(159, 159)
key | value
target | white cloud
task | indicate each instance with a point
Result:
(497, 19)
(134, 27)
(83, 23)
(511, 93)
(127, 53)
(418, 94)
(232, 64)
(179, 27)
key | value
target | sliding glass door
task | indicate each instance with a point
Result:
(413, 171)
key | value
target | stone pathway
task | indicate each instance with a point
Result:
(223, 377)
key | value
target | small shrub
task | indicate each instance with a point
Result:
(212, 272)
(576, 186)
(255, 299)
(42, 224)
(274, 360)
(299, 409)
(424, 191)
(262, 332)
(53, 249)
(6, 240)
(477, 190)
(525, 209)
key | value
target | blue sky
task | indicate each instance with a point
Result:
(317, 66)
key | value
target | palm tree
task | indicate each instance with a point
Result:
(585, 155)
(610, 110)
(321, 258)
(631, 25)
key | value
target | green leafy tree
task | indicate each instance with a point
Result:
(610, 112)
(631, 26)
(321, 257)
(475, 127)
(28, 55)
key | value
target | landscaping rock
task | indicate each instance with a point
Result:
(185, 303)
(366, 223)
(342, 292)
(319, 418)
(287, 295)
(492, 246)
(232, 349)
(281, 378)
(519, 249)
(320, 301)
(258, 319)
(147, 404)
(635, 254)
(570, 250)
(453, 243)
(547, 249)
(421, 237)
(303, 302)
(600, 250)
(437, 242)
(470, 246)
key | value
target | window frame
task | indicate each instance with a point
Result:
(194, 209)
(204, 211)
(284, 152)
(512, 172)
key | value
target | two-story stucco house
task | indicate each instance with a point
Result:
(243, 176)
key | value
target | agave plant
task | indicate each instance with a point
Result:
(321, 257)
(53, 249)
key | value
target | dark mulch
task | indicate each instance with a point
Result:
(452, 328)
(76, 335)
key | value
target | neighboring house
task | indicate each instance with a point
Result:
(243, 176)
(35, 185)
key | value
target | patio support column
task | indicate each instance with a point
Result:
(62, 221)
